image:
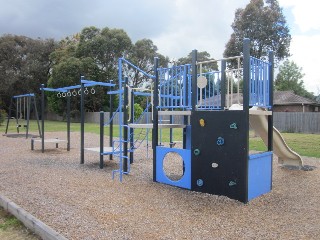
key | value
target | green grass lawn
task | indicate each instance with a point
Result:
(12, 228)
(304, 144)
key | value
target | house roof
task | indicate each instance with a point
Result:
(289, 98)
(279, 98)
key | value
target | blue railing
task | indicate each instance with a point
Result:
(209, 97)
(259, 83)
(175, 87)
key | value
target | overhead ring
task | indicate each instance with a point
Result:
(59, 94)
(86, 91)
(64, 94)
(93, 91)
(74, 93)
(69, 94)
(79, 92)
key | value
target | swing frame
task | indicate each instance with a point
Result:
(28, 100)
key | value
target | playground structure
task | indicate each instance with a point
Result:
(63, 92)
(67, 92)
(22, 105)
(215, 150)
(101, 149)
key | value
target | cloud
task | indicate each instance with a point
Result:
(306, 13)
(59, 18)
(202, 25)
(304, 45)
(306, 55)
(175, 26)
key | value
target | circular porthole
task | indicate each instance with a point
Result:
(173, 166)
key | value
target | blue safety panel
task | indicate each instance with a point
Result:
(259, 174)
(185, 181)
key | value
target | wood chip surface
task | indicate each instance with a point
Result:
(83, 202)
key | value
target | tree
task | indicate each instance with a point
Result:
(265, 25)
(201, 57)
(93, 53)
(24, 64)
(142, 55)
(67, 73)
(208, 67)
(104, 46)
(290, 77)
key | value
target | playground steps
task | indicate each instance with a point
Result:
(49, 140)
(122, 170)
(106, 150)
(174, 113)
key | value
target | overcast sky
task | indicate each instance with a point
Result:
(175, 26)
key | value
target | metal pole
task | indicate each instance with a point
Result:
(246, 82)
(82, 124)
(186, 94)
(28, 102)
(111, 127)
(155, 117)
(170, 132)
(68, 122)
(194, 97)
(223, 84)
(17, 113)
(270, 117)
(131, 131)
(125, 123)
(42, 117)
(101, 137)
(37, 116)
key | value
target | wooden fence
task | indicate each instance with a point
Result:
(297, 122)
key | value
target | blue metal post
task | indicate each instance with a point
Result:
(37, 115)
(155, 116)
(111, 127)
(270, 117)
(101, 138)
(82, 123)
(131, 131)
(246, 82)
(42, 117)
(28, 102)
(125, 126)
(194, 96)
(223, 84)
(68, 122)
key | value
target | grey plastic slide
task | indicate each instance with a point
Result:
(285, 155)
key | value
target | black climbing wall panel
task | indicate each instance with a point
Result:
(220, 153)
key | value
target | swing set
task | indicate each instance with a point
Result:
(22, 106)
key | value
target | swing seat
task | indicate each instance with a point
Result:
(19, 125)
